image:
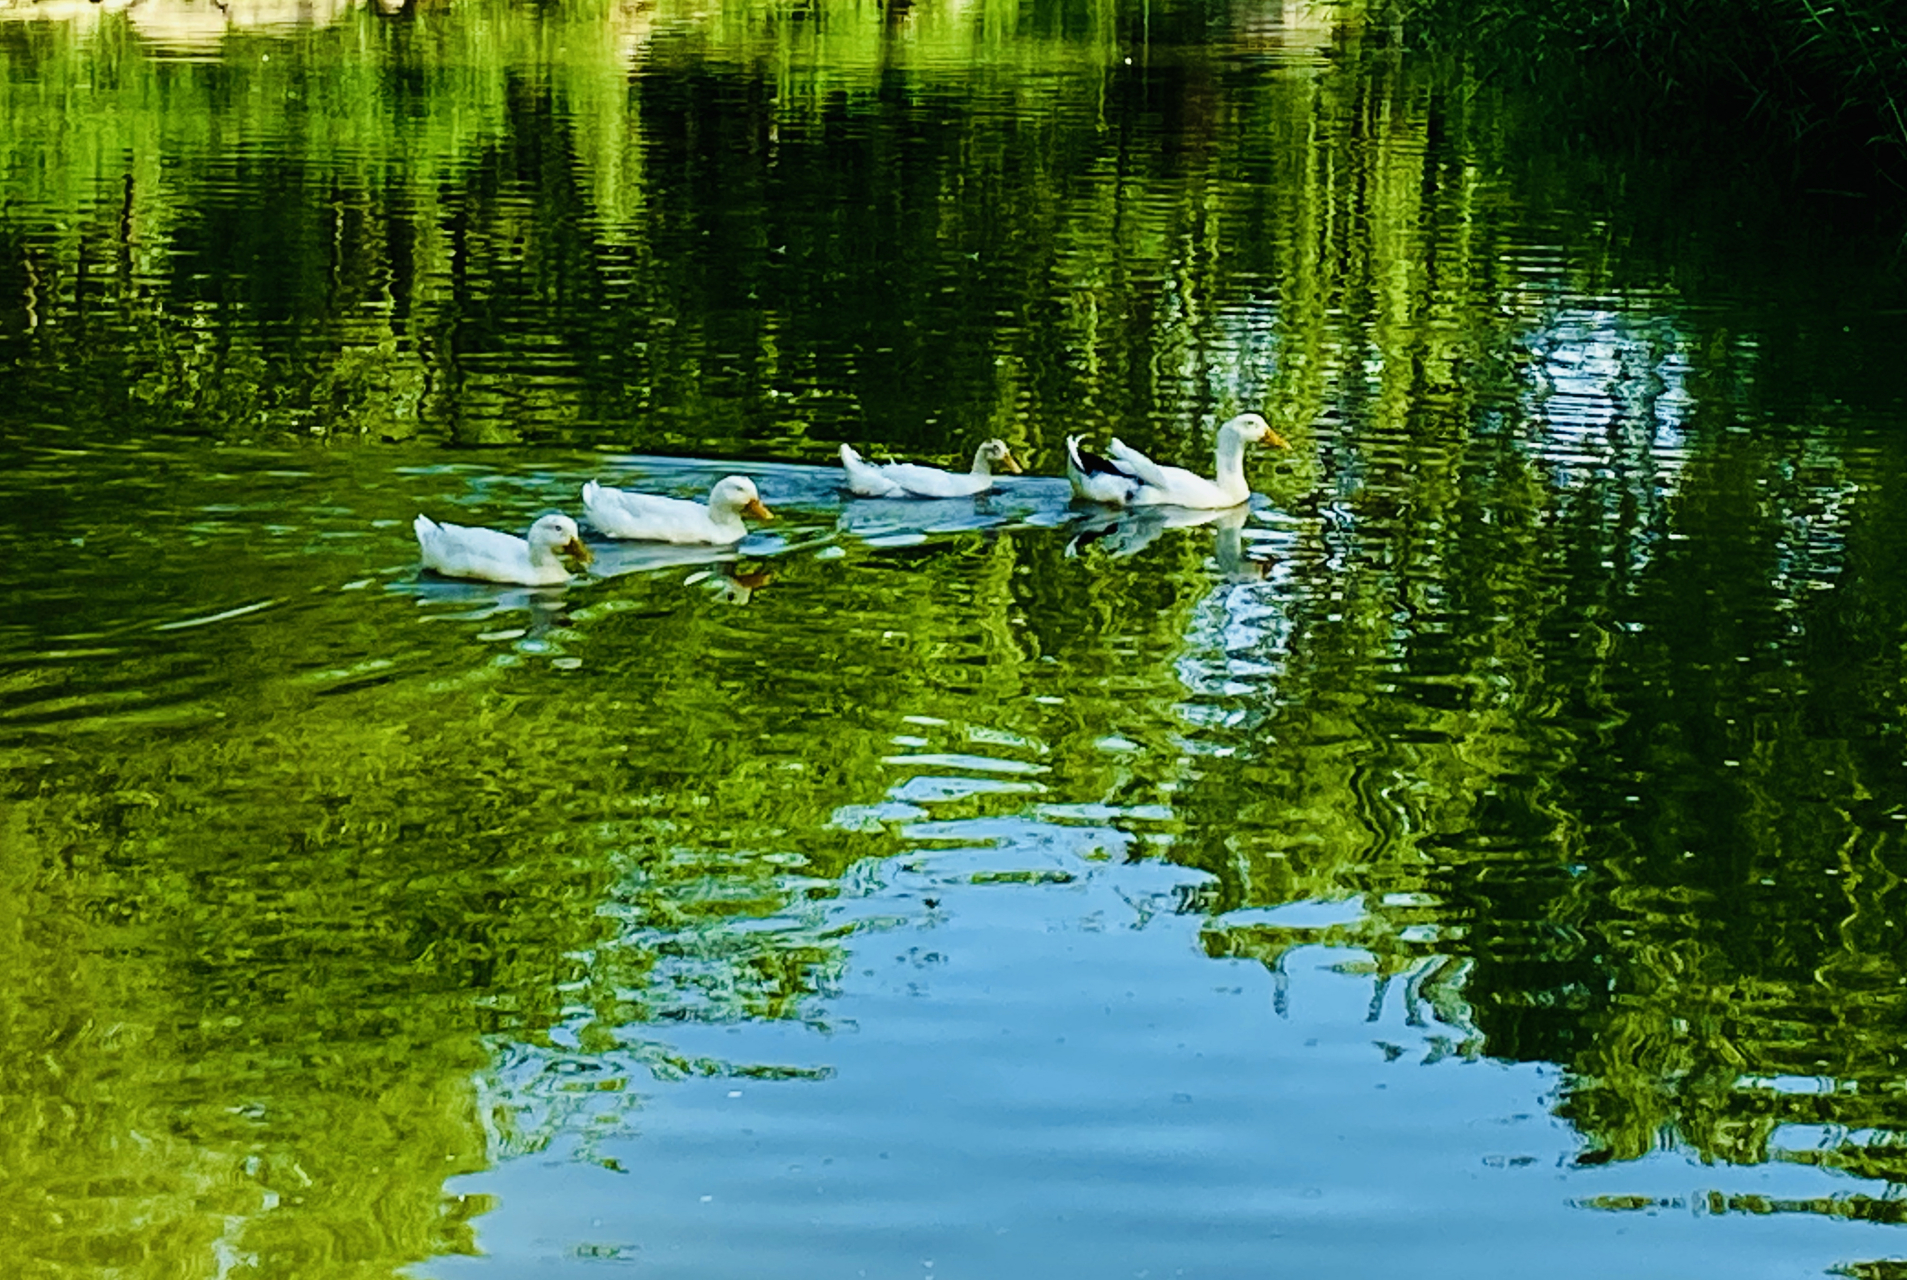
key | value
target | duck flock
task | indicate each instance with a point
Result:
(1122, 477)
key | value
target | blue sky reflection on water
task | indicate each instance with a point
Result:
(1069, 1085)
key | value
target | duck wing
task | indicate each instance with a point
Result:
(461, 551)
(1137, 465)
(622, 514)
(866, 480)
(1097, 478)
(1170, 486)
(1089, 463)
(932, 482)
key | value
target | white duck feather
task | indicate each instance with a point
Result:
(911, 480)
(1128, 478)
(649, 517)
(490, 555)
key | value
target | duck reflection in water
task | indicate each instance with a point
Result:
(1127, 532)
(1235, 563)
(546, 606)
(730, 586)
(615, 559)
(716, 566)
(879, 521)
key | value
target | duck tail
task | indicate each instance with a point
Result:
(864, 480)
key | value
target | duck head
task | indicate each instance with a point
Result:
(737, 493)
(557, 535)
(1252, 429)
(997, 454)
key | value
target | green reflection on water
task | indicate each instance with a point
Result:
(1572, 651)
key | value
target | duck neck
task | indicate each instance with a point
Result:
(726, 516)
(1230, 468)
(981, 467)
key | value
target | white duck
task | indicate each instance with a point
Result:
(1130, 479)
(647, 517)
(911, 480)
(459, 551)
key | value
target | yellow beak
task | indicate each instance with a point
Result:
(1012, 464)
(756, 509)
(576, 551)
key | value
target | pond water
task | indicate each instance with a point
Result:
(1481, 854)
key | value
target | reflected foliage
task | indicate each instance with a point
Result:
(1570, 647)
(1823, 78)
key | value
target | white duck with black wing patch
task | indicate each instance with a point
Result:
(1127, 478)
(1097, 478)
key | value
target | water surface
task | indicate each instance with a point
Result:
(1482, 852)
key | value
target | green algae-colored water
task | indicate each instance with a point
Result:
(1483, 855)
